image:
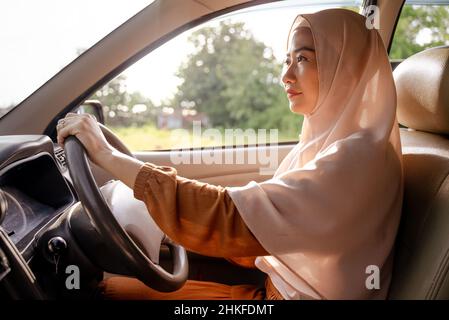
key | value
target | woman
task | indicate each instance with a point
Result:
(329, 215)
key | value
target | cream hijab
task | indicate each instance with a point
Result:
(330, 214)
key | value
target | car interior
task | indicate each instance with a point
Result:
(55, 211)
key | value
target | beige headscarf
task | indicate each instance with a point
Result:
(332, 209)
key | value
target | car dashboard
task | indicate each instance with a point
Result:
(36, 187)
(36, 193)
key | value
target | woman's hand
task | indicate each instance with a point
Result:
(99, 151)
(85, 127)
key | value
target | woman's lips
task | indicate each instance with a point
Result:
(292, 93)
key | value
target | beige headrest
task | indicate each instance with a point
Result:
(422, 84)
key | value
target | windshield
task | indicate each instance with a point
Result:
(39, 38)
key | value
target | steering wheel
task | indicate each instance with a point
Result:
(110, 230)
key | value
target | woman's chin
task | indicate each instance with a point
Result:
(297, 108)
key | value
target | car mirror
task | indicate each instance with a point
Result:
(93, 107)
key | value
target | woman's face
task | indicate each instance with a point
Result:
(300, 72)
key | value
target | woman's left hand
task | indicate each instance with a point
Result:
(85, 127)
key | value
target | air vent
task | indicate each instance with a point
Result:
(60, 156)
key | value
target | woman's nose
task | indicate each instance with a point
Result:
(288, 75)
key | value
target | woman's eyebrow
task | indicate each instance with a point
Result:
(302, 48)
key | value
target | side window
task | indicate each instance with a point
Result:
(420, 27)
(217, 84)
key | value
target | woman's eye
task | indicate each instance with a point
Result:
(301, 58)
(287, 62)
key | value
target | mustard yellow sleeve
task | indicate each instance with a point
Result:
(199, 216)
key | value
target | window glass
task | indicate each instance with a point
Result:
(41, 37)
(217, 84)
(420, 27)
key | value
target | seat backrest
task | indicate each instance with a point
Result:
(421, 265)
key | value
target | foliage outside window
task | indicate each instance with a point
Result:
(420, 27)
(231, 80)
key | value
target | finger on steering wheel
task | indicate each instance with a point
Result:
(70, 125)
(72, 114)
(67, 130)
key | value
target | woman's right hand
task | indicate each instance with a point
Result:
(85, 127)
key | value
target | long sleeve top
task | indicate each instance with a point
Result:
(200, 216)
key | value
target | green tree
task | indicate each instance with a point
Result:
(416, 19)
(123, 108)
(235, 80)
